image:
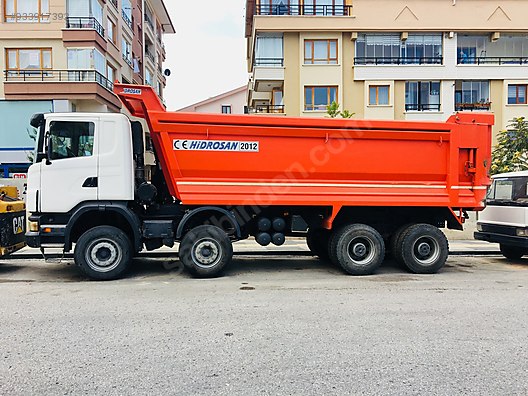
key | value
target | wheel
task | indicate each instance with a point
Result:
(395, 243)
(512, 252)
(317, 241)
(103, 253)
(205, 251)
(423, 248)
(359, 249)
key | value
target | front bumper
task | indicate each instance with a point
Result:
(501, 238)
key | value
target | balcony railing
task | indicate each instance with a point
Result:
(114, 2)
(127, 59)
(49, 75)
(370, 60)
(473, 106)
(266, 109)
(148, 19)
(296, 9)
(493, 60)
(127, 20)
(85, 23)
(422, 107)
(151, 56)
(273, 62)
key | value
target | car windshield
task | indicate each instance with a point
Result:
(508, 191)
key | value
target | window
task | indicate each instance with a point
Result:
(126, 48)
(22, 61)
(226, 109)
(24, 11)
(378, 95)
(111, 31)
(148, 77)
(126, 12)
(479, 49)
(389, 48)
(317, 98)
(268, 50)
(110, 72)
(86, 59)
(472, 95)
(422, 95)
(71, 139)
(517, 93)
(320, 52)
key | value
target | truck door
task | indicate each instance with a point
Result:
(69, 175)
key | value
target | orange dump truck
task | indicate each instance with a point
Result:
(353, 188)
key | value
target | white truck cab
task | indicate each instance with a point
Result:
(81, 163)
(505, 218)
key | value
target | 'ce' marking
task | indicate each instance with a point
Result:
(183, 145)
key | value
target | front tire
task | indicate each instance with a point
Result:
(103, 253)
(424, 249)
(358, 248)
(205, 251)
(512, 252)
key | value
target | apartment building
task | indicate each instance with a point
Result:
(64, 55)
(388, 59)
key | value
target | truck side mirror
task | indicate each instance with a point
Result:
(48, 148)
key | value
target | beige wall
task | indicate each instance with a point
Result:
(292, 65)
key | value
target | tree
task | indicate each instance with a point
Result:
(332, 110)
(511, 152)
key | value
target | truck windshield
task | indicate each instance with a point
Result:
(508, 191)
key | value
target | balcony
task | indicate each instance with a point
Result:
(266, 109)
(148, 20)
(482, 106)
(150, 56)
(114, 3)
(493, 60)
(422, 107)
(269, 62)
(48, 84)
(296, 9)
(85, 23)
(367, 60)
(128, 21)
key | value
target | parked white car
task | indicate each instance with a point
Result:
(505, 218)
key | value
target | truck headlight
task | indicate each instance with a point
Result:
(522, 232)
(479, 227)
(33, 226)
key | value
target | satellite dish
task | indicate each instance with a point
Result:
(167, 72)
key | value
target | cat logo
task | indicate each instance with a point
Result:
(18, 224)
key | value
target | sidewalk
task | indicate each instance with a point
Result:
(291, 245)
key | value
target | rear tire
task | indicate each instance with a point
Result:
(358, 248)
(424, 249)
(395, 243)
(512, 252)
(103, 253)
(205, 251)
(317, 241)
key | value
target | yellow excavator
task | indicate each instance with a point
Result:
(12, 221)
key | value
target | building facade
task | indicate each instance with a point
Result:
(230, 102)
(388, 59)
(64, 55)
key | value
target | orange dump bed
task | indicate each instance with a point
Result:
(211, 159)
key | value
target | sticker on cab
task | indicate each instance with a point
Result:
(215, 145)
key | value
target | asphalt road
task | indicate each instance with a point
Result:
(271, 326)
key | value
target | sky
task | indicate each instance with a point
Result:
(207, 55)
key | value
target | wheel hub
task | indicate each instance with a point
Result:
(206, 253)
(359, 249)
(424, 249)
